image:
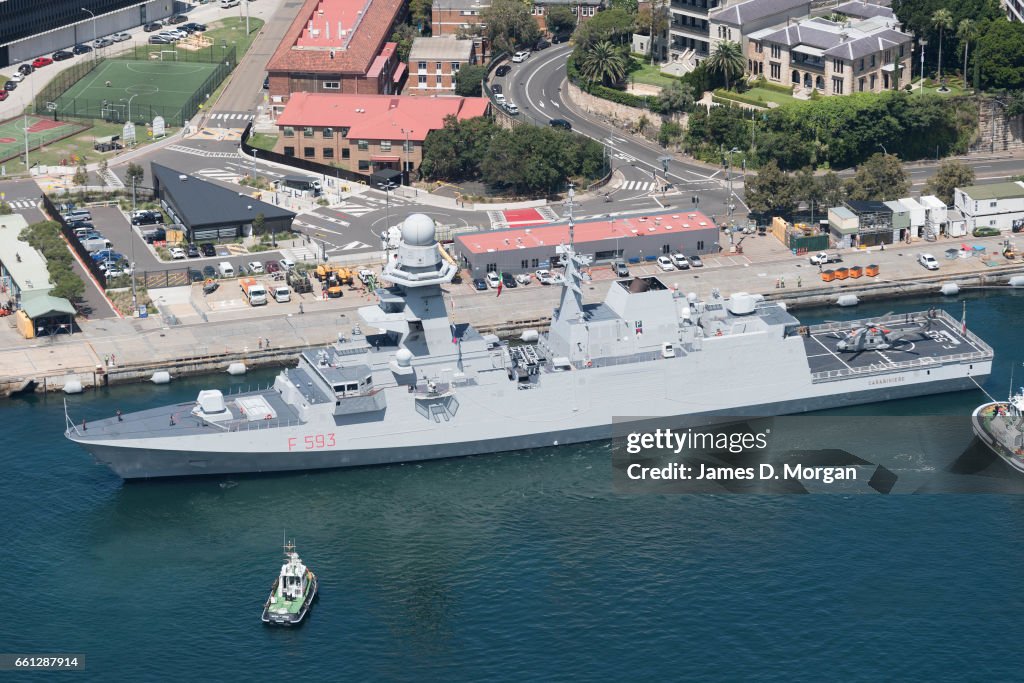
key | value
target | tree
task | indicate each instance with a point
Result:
(949, 176)
(81, 176)
(602, 63)
(467, 81)
(615, 25)
(135, 174)
(830, 189)
(561, 21)
(771, 191)
(629, 6)
(727, 59)
(966, 31)
(403, 34)
(5, 209)
(669, 133)
(419, 13)
(509, 25)
(879, 178)
(259, 223)
(677, 96)
(999, 55)
(653, 20)
(942, 20)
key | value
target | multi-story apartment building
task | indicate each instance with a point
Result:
(366, 133)
(462, 19)
(435, 62)
(734, 22)
(581, 9)
(818, 55)
(338, 46)
(691, 34)
(1014, 9)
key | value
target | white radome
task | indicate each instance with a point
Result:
(418, 230)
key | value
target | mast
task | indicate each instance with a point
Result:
(571, 305)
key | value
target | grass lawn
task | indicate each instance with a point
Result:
(650, 75)
(263, 141)
(232, 31)
(953, 89)
(770, 96)
(81, 145)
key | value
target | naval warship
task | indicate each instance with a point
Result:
(411, 384)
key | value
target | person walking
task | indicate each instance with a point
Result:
(119, 417)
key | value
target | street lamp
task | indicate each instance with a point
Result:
(408, 167)
(93, 15)
(130, 105)
(387, 186)
(732, 195)
(884, 150)
(922, 42)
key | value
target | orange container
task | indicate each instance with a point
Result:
(842, 273)
(871, 271)
(828, 275)
(856, 271)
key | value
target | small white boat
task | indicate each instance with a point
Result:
(293, 592)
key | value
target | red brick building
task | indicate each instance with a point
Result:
(338, 46)
(434, 64)
(366, 133)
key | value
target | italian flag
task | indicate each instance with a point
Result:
(501, 282)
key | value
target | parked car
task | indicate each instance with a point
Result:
(41, 62)
(493, 280)
(542, 44)
(545, 277)
(511, 108)
(81, 49)
(272, 267)
(120, 37)
(61, 55)
(665, 263)
(3, 95)
(195, 275)
(17, 77)
(266, 83)
(928, 261)
(502, 70)
(103, 42)
(496, 88)
(508, 280)
(107, 255)
(146, 217)
(499, 97)
(287, 264)
(177, 253)
(480, 284)
(696, 262)
(523, 278)
(10, 85)
(255, 266)
(153, 26)
(26, 69)
(679, 261)
(520, 56)
(178, 19)
(985, 231)
(209, 272)
(176, 34)
(192, 251)
(154, 235)
(560, 123)
(620, 269)
(194, 26)
(207, 249)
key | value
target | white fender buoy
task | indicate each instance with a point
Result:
(1016, 281)
(73, 386)
(847, 300)
(950, 289)
(529, 336)
(160, 377)
(236, 369)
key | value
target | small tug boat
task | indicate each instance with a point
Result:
(1000, 424)
(293, 592)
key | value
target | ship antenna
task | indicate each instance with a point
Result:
(572, 222)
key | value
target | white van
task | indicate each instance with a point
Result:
(282, 294)
(225, 4)
(226, 269)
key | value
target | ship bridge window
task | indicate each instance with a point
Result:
(368, 381)
(353, 387)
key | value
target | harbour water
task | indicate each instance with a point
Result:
(521, 566)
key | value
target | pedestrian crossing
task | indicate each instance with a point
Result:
(226, 116)
(299, 254)
(16, 204)
(351, 209)
(638, 185)
(219, 174)
(202, 152)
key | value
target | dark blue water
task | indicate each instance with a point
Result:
(522, 566)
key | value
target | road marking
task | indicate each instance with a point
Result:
(353, 245)
(23, 204)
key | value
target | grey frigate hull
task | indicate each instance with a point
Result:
(151, 462)
(421, 386)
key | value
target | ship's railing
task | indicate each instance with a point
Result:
(886, 368)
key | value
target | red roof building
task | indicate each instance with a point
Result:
(338, 46)
(632, 238)
(367, 133)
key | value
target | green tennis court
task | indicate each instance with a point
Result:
(118, 89)
(41, 131)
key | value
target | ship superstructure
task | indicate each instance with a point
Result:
(411, 384)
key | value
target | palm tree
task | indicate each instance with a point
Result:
(941, 20)
(966, 32)
(727, 59)
(603, 63)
